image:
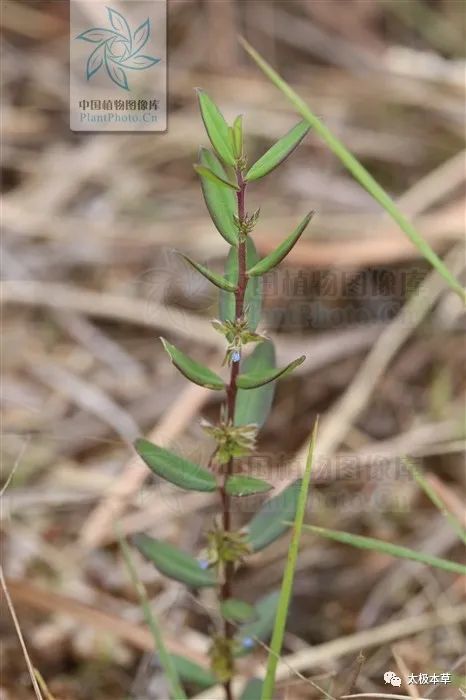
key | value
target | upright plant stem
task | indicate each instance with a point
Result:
(226, 590)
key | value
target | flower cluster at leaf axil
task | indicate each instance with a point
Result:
(248, 394)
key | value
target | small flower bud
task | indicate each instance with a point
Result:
(203, 564)
(248, 643)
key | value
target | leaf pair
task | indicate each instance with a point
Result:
(192, 477)
(199, 374)
(228, 141)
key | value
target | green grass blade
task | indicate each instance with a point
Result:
(387, 548)
(356, 169)
(288, 577)
(417, 474)
(176, 690)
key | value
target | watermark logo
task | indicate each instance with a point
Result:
(118, 49)
(391, 678)
(118, 65)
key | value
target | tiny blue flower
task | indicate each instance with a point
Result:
(248, 643)
(203, 564)
(236, 356)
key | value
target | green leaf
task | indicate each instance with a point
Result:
(270, 522)
(216, 127)
(166, 660)
(253, 405)
(194, 371)
(260, 628)
(242, 485)
(237, 610)
(286, 590)
(356, 169)
(203, 171)
(277, 255)
(252, 690)
(237, 134)
(387, 548)
(213, 277)
(174, 563)
(177, 470)
(256, 379)
(220, 200)
(253, 295)
(191, 672)
(278, 152)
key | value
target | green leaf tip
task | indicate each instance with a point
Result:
(216, 127)
(243, 485)
(258, 379)
(203, 171)
(175, 469)
(277, 255)
(278, 152)
(174, 563)
(192, 370)
(213, 277)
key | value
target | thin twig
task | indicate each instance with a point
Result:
(11, 608)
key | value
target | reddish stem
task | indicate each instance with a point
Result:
(226, 590)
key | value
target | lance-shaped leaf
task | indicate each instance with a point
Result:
(278, 152)
(174, 563)
(253, 405)
(262, 626)
(175, 469)
(213, 277)
(253, 295)
(261, 377)
(243, 485)
(192, 370)
(237, 610)
(216, 127)
(190, 672)
(277, 255)
(271, 522)
(220, 200)
(253, 690)
(394, 550)
(204, 171)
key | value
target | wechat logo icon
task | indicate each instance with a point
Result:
(118, 49)
(392, 678)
